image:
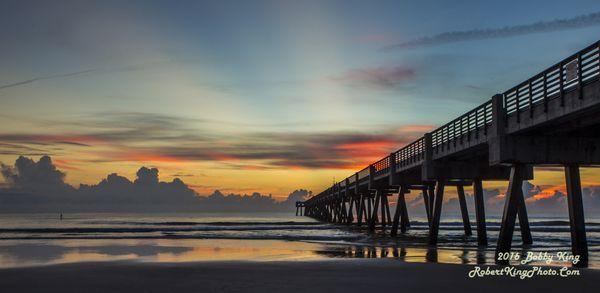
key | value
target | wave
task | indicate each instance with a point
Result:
(184, 226)
(329, 238)
(157, 229)
(184, 223)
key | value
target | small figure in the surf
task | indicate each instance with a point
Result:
(61, 216)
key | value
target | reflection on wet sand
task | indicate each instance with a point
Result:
(32, 253)
(411, 254)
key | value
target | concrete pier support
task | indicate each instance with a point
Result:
(480, 212)
(350, 215)
(369, 211)
(400, 214)
(404, 220)
(361, 209)
(426, 199)
(374, 218)
(513, 199)
(431, 192)
(434, 227)
(463, 209)
(343, 211)
(576, 219)
(524, 222)
(384, 220)
(387, 210)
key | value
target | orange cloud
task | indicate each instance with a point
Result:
(140, 156)
(66, 164)
(416, 128)
(369, 145)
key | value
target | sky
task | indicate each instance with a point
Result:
(262, 96)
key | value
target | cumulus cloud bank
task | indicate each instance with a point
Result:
(40, 186)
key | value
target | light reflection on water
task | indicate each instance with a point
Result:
(40, 239)
(47, 252)
(35, 252)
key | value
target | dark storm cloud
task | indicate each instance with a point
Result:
(40, 186)
(35, 176)
(580, 21)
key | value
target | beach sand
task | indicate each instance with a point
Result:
(349, 275)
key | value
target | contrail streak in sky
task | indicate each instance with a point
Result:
(55, 76)
(576, 22)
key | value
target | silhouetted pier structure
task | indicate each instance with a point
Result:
(550, 119)
(299, 208)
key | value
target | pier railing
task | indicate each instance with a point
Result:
(468, 126)
(410, 155)
(382, 166)
(552, 83)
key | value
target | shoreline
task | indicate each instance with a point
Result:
(32, 253)
(351, 275)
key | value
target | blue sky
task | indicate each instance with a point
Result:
(247, 78)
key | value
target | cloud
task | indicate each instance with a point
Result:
(34, 176)
(580, 21)
(40, 186)
(377, 78)
(345, 150)
(50, 139)
(254, 201)
(148, 137)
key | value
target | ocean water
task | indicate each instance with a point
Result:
(40, 239)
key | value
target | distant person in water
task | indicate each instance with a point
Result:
(61, 216)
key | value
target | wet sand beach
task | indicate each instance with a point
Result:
(348, 275)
